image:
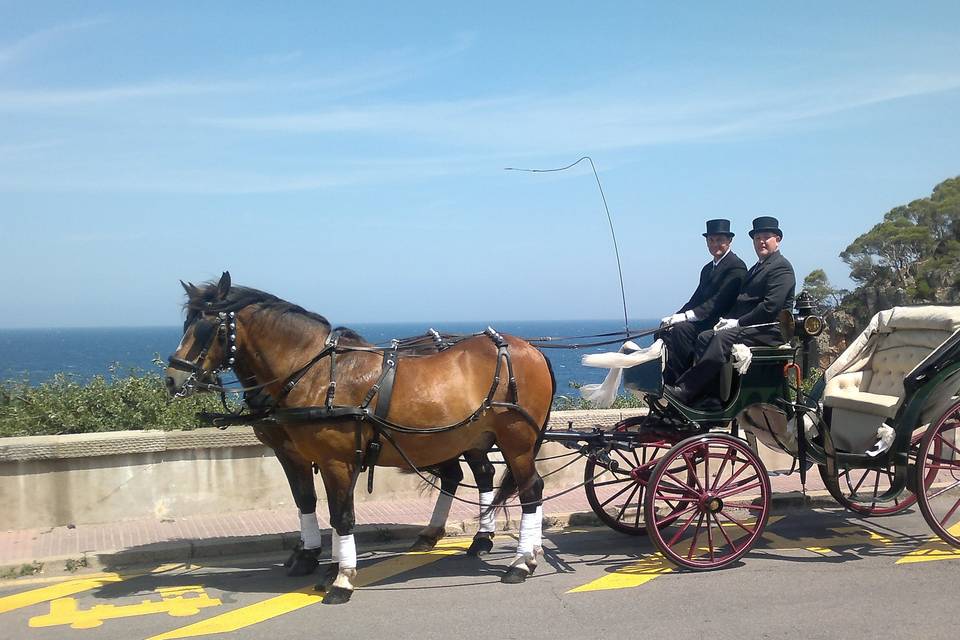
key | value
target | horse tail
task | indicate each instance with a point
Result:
(508, 486)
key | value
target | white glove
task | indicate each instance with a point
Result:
(725, 324)
(674, 319)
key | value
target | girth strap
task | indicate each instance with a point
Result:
(383, 389)
(366, 456)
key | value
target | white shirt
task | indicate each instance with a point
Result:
(690, 315)
(717, 261)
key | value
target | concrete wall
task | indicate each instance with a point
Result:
(50, 481)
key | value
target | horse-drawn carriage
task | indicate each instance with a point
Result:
(880, 423)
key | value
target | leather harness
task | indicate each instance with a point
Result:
(266, 412)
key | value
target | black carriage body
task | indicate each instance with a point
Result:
(764, 382)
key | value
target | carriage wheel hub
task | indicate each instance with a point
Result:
(711, 504)
(640, 474)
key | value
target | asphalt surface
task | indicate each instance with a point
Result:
(816, 574)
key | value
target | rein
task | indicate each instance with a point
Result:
(279, 415)
(366, 456)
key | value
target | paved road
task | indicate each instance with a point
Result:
(817, 574)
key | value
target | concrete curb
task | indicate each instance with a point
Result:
(185, 551)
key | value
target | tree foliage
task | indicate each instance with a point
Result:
(911, 257)
(824, 294)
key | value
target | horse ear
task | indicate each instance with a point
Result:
(187, 287)
(224, 287)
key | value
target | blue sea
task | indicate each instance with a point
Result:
(38, 354)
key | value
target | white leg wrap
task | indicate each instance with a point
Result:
(345, 551)
(335, 545)
(488, 521)
(441, 510)
(310, 531)
(529, 545)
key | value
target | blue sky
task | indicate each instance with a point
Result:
(349, 156)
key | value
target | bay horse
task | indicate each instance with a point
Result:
(317, 383)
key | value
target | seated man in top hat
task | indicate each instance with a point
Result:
(720, 281)
(767, 290)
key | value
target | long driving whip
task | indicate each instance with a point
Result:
(616, 250)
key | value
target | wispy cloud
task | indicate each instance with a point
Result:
(603, 119)
(302, 77)
(103, 237)
(17, 150)
(18, 100)
(170, 134)
(38, 40)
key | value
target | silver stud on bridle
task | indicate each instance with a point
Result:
(227, 328)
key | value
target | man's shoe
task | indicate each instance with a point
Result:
(677, 392)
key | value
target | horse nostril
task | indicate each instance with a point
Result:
(171, 385)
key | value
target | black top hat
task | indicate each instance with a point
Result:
(719, 226)
(766, 223)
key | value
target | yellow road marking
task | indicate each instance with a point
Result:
(648, 568)
(53, 592)
(845, 537)
(67, 586)
(653, 566)
(632, 575)
(287, 602)
(28, 582)
(934, 549)
(174, 601)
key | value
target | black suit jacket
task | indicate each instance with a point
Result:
(767, 290)
(718, 289)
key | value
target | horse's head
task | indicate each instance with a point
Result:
(208, 343)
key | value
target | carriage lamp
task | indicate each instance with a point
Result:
(809, 325)
(812, 326)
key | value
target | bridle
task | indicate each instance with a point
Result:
(226, 322)
(226, 328)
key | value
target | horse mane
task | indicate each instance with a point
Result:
(204, 298)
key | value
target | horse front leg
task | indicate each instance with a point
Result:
(338, 583)
(483, 472)
(305, 559)
(451, 475)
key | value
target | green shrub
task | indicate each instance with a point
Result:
(135, 400)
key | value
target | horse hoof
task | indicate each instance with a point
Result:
(337, 595)
(480, 546)
(423, 543)
(328, 578)
(303, 562)
(514, 575)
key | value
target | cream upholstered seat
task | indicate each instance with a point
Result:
(865, 385)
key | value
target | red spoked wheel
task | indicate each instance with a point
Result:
(723, 491)
(939, 460)
(867, 484)
(616, 494)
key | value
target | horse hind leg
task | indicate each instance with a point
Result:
(451, 475)
(483, 472)
(523, 477)
(530, 543)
